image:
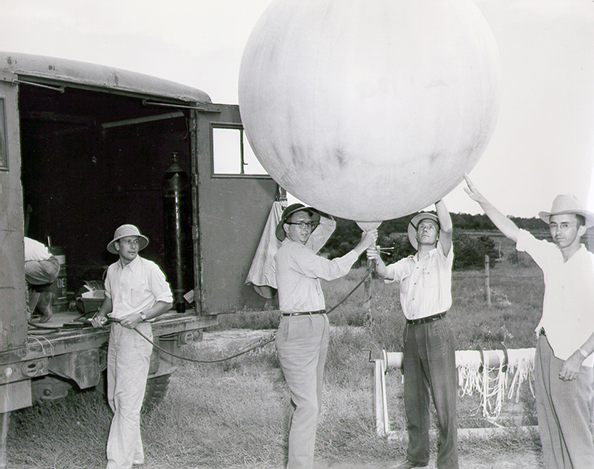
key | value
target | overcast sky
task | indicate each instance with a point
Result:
(543, 144)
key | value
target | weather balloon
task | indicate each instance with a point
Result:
(369, 109)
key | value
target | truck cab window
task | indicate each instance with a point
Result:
(232, 154)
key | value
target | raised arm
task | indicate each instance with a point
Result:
(503, 223)
(445, 226)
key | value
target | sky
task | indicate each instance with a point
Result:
(543, 143)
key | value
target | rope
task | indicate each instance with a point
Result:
(193, 360)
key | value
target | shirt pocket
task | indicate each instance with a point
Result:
(138, 294)
(429, 281)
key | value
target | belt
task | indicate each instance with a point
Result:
(427, 319)
(305, 313)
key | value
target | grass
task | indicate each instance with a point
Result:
(234, 414)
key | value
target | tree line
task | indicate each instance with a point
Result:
(471, 238)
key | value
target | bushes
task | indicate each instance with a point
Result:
(470, 251)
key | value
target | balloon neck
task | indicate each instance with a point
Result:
(369, 225)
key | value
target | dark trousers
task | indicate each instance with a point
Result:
(429, 367)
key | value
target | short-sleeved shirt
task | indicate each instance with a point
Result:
(299, 270)
(568, 306)
(36, 251)
(425, 283)
(135, 287)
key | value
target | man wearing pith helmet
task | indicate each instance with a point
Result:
(565, 333)
(303, 333)
(136, 291)
(429, 364)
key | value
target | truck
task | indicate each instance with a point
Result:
(85, 148)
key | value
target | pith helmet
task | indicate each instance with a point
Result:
(122, 232)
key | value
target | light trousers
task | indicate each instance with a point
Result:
(564, 409)
(40, 277)
(302, 346)
(429, 367)
(128, 363)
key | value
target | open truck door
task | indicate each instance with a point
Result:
(85, 148)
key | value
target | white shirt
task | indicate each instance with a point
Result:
(36, 251)
(299, 269)
(425, 284)
(135, 287)
(568, 306)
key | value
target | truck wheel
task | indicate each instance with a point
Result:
(156, 389)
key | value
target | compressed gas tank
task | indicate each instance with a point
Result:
(177, 226)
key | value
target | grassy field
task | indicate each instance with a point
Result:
(234, 414)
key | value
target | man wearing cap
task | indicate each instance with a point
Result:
(136, 291)
(303, 333)
(429, 356)
(565, 333)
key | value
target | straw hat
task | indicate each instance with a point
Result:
(412, 226)
(122, 232)
(290, 210)
(566, 204)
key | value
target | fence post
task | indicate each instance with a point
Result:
(487, 286)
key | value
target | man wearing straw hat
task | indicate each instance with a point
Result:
(303, 333)
(565, 333)
(429, 354)
(136, 291)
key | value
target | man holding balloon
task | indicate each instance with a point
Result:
(303, 333)
(429, 365)
(564, 357)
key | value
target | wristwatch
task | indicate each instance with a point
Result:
(143, 316)
(583, 352)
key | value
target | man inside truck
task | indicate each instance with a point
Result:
(136, 291)
(41, 273)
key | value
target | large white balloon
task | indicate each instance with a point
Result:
(369, 109)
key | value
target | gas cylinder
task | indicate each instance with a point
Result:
(177, 232)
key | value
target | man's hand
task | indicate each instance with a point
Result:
(472, 191)
(131, 321)
(571, 367)
(99, 320)
(368, 238)
(373, 252)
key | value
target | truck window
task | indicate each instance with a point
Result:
(233, 155)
